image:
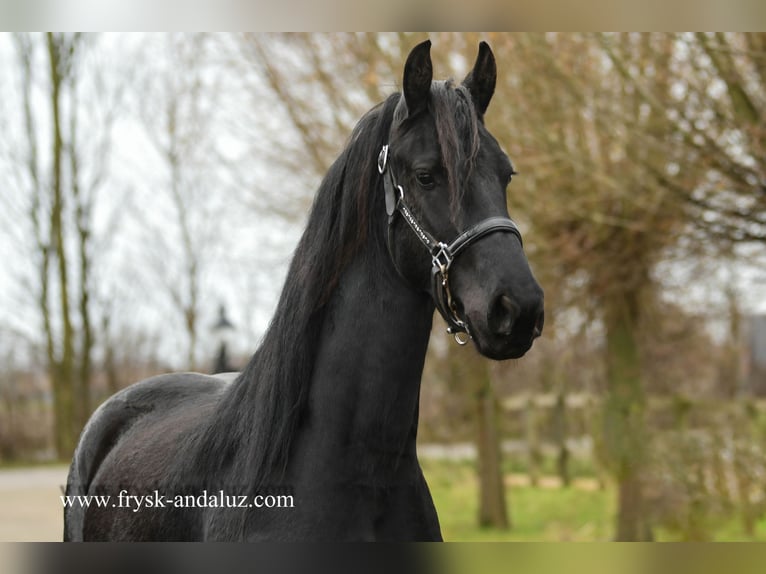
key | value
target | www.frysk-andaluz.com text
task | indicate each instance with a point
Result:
(156, 500)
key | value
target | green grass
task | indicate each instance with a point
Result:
(579, 467)
(539, 514)
(536, 513)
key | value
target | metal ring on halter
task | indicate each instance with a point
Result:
(401, 191)
(460, 341)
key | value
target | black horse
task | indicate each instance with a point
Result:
(412, 216)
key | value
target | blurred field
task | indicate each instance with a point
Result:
(581, 513)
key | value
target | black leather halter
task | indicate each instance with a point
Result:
(442, 254)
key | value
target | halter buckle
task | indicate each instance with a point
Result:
(442, 257)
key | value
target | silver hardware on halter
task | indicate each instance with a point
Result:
(460, 341)
(444, 253)
(383, 160)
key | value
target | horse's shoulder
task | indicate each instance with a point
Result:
(121, 411)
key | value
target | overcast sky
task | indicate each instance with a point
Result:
(247, 246)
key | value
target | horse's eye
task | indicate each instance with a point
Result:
(425, 179)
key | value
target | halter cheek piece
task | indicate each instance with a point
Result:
(442, 254)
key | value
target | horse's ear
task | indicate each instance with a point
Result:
(481, 80)
(418, 73)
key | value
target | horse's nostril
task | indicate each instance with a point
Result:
(506, 302)
(504, 313)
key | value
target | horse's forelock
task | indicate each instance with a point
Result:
(457, 128)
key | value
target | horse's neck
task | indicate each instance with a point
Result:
(366, 382)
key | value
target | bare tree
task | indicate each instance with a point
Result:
(58, 176)
(713, 108)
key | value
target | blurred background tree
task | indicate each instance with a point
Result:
(58, 164)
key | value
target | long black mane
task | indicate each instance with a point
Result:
(251, 431)
(265, 403)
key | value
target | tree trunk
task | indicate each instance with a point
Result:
(631, 515)
(41, 214)
(532, 436)
(63, 372)
(492, 503)
(560, 436)
(469, 372)
(624, 434)
(82, 219)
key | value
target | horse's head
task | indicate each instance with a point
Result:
(449, 232)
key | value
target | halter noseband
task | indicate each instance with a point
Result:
(442, 254)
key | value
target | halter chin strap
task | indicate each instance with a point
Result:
(442, 254)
